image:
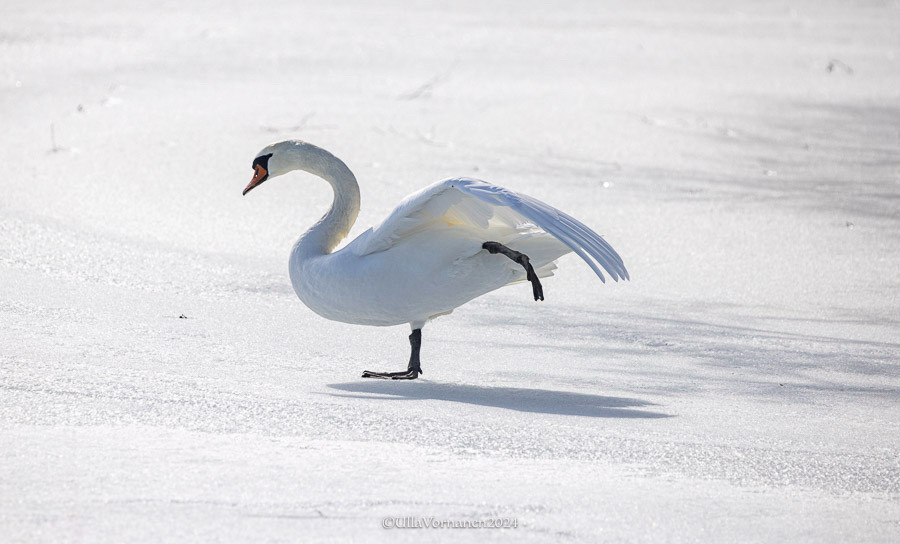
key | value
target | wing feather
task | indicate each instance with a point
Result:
(479, 204)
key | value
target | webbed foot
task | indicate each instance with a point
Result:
(404, 375)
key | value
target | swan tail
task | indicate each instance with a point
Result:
(542, 250)
(546, 271)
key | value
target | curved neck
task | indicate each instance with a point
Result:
(334, 226)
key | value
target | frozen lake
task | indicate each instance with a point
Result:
(743, 386)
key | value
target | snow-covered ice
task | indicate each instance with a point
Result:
(744, 159)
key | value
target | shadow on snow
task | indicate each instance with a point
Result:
(511, 398)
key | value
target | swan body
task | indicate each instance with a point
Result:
(429, 255)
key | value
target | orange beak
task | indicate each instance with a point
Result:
(258, 177)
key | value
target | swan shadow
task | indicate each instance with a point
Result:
(511, 398)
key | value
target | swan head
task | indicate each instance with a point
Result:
(273, 161)
(283, 157)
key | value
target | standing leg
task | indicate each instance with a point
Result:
(415, 344)
(413, 369)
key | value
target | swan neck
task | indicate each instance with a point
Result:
(335, 225)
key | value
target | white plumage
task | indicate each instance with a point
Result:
(425, 258)
(493, 210)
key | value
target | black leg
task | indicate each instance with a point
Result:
(413, 369)
(415, 344)
(522, 259)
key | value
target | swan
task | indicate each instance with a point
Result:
(441, 247)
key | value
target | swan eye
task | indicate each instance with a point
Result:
(262, 160)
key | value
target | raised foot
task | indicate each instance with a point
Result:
(536, 287)
(404, 375)
(496, 247)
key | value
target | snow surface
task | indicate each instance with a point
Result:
(744, 159)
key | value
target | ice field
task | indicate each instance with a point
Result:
(161, 382)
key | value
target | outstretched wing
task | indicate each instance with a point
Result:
(480, 205)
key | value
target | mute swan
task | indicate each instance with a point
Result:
(440, 248)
